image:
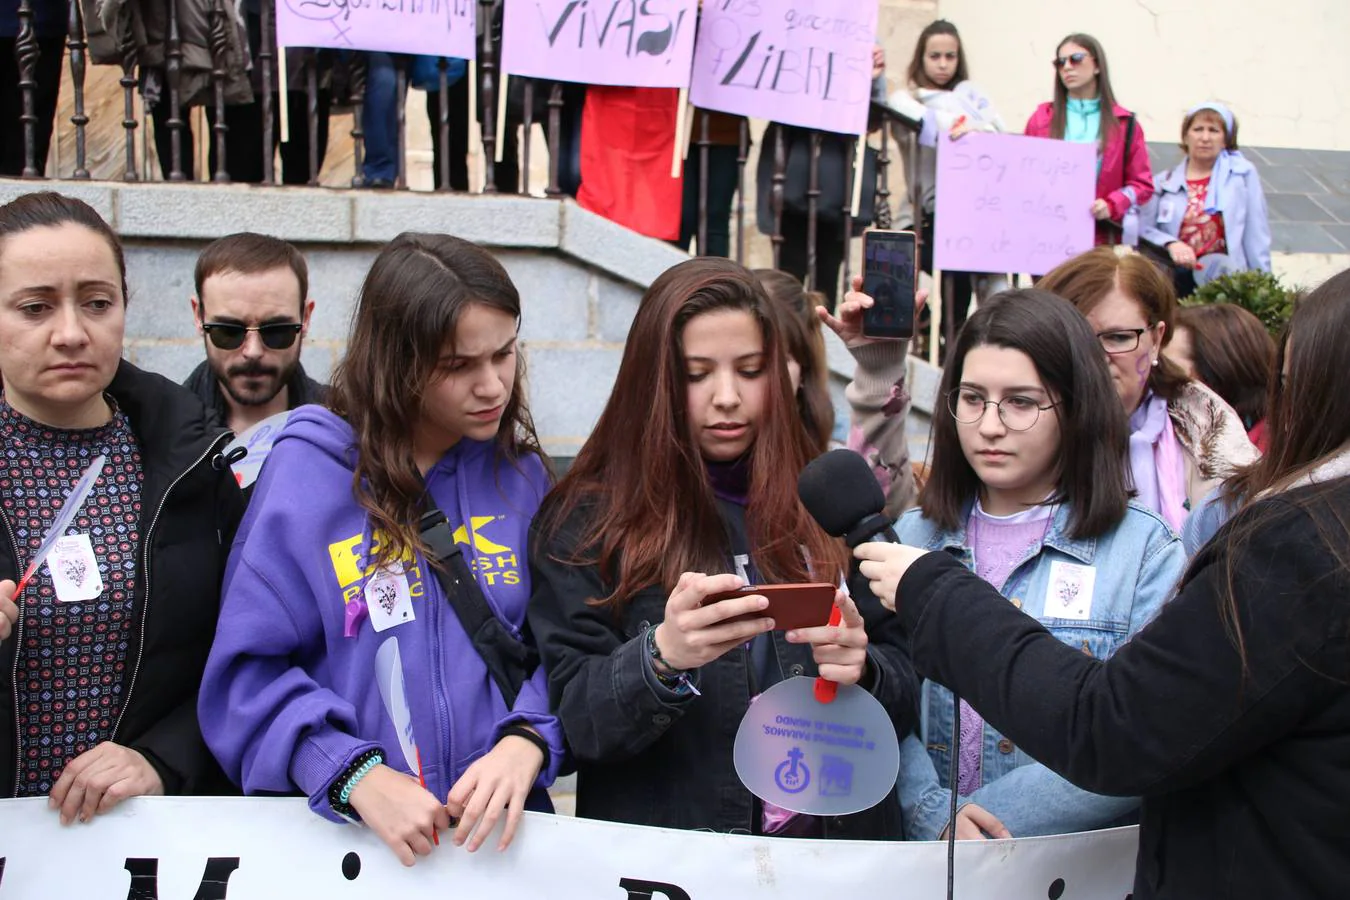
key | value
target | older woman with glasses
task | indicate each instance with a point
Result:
(1085, 111)
(1184, 439)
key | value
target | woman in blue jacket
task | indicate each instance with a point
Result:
(1209, 211)
(1028, 489)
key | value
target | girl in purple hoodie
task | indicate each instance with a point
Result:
(340, 669)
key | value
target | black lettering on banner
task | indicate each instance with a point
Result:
(645, 890)
(213, 886)
(646, 30)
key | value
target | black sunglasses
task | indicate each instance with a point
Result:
(1075, 58)
(229, 336)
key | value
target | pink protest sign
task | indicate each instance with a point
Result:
(623, 43)
(1007, 203)
(799, 62)
(427, 27)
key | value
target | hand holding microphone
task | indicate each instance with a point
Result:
(840, 492)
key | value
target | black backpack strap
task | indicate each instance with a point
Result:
(509, 661)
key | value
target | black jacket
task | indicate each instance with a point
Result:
(190, 509)
(646, 759)
(203, 382)
(1245, 775)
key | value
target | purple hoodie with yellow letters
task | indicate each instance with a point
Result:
(293, 688)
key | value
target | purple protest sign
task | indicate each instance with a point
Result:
(427, 27)
(799, 62)
(1007, 203)
(622, 43)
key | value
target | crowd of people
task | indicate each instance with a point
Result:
(1060, 659)
(1205, 217)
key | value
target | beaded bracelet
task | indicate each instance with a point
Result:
(676, 680)
(340, 792)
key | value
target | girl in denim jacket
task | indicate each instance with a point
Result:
(1028, 489)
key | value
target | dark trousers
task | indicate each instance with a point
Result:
(830, 249)
(957, 287)
(47, 74)
(723, 174)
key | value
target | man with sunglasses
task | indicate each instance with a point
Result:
(252, 308)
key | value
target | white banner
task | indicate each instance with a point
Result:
(276, 849)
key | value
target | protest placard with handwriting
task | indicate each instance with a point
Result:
(1008, 203)
(624, 43)
(427, 27)
(799, 62)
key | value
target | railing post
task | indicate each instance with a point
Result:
(76, 42)
(443, 121)
(312, 113)
(849, 175)
(487, 109)
(401, 105)
(269, 147)
(703, 143)
(743, 153)
(174, 72)
(777, 192)
(126, 46)
(220, 51)
(813, 212)
(525, 129)
(555, 104)
(26, 51)
(359, 68)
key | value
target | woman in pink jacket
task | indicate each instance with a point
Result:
(1082, 91)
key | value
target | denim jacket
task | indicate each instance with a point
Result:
(1134, 568)
(1245, 223)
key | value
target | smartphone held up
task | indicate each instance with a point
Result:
(889, 279)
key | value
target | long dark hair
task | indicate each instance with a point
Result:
(1104, 91)
(917, 76)
(410, 305)
(640, 478)
(1086, 279)
(1093, 430)
(48, 209)
(1234, 355)
(795, 309)
(1308, 422)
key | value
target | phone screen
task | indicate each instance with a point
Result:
(888, 278)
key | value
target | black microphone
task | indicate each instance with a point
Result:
(841, 493)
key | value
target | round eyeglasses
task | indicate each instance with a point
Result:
(1017, 413)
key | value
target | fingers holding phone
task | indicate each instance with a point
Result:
(696, 632)
(840, 651)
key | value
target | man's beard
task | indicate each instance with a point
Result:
(276, 380)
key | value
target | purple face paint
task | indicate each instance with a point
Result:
(1141, 366)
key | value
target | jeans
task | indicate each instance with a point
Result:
(379, 120)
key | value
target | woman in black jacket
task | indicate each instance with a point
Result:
(1230, 713)
(692, 469)
(102, 653)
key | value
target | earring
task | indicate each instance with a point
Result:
(1155, 361)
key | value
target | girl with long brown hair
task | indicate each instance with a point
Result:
(334, 586)
(687, 488)
(1230, 713)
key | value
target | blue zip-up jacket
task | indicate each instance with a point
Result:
(1235, 190)
(291, 695)
(1128, 573)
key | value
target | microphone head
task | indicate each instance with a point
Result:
(839, 490)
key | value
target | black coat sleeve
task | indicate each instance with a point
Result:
(1178, 703)
(609, 709)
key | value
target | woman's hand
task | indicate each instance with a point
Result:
(99, 779)
(960, 127)
(1182, 253)
(848, 322)
(975, 823)
(694, 634)
(1101, 210)
(499, 780)
(404, 814)
(883, 565)
(878, 61)
(840, 651)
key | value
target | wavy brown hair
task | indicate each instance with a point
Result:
(1233, 353)
(409, 308)
(1060, 113)
(640, 481)
(1086, 279)
(795, 309)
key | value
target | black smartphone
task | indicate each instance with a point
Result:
(888, 278)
